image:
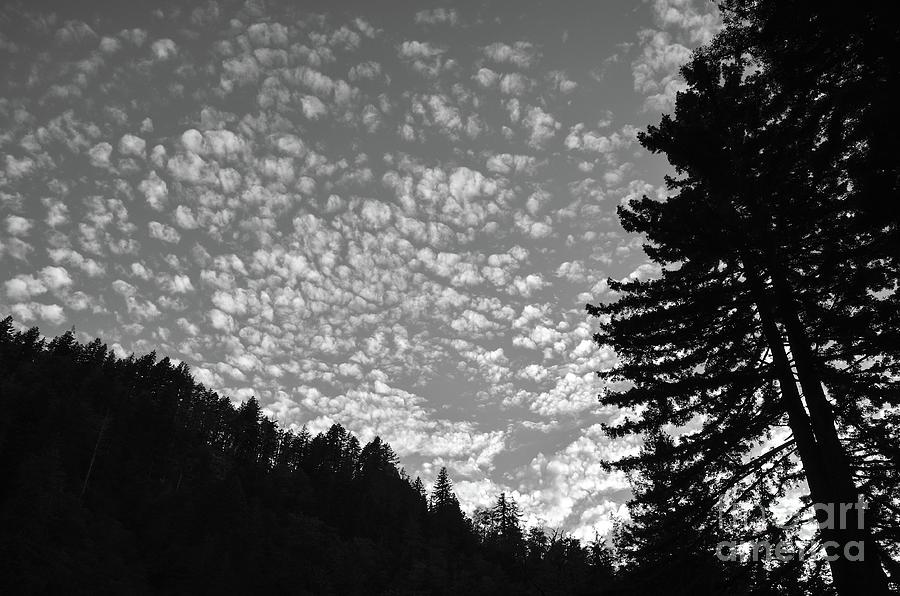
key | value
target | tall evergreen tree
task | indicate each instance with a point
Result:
(506, 521)
(742, 332)
(831, 79)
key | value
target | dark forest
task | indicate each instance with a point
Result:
(124, 476)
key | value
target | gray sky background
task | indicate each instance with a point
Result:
(388, 215)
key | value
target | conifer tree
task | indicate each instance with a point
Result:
(723, 338)
(419, 487)
(669, 544)
(506, 519)
(442, 496)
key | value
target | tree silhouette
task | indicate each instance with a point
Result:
(506, 523)
(742, 332)
(442, 496)
(190, 494)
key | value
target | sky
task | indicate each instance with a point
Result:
(388, 215)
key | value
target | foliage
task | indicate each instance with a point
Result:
(124, 475)
(764, 358)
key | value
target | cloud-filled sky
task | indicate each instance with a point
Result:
(388, 215)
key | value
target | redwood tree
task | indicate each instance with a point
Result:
(746, 329)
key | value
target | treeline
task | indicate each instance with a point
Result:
(125, 476)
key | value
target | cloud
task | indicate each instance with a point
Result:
(437, 16)
(19, 167)
(368, 70)
(163, 232)
(423, 57)
(543, 127)
(569, 488)
(179, 284)
(419, 49)
(163, 49)
(521, 54)
(57, 212)
(132, 145)
(51, 314)
(383, 227)
(684, 26)
(18, 226)
(55, 278)
(656, 70)
(700, 21)
(70, 257)
(99, 154)
(561, 82)
(23, 287)
(184, 218)
(592, 141)
(220, 320)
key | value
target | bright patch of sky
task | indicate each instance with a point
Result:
(389, 218)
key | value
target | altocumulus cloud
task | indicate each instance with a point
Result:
(386, 220)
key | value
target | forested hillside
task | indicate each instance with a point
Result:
(126, 476)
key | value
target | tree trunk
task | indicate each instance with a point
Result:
(87, 476)
(821, 464)
(838, 468)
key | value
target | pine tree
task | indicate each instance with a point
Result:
(377, 457)
(447, 521)
(419, 487)
(442, 496)
(668, 545)
(729, 336)
(536, 543)
(828, 70)
(602, 561)
(246, 430)
(482, 524)
(506, 520)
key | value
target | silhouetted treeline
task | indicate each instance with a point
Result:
(126, 476)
